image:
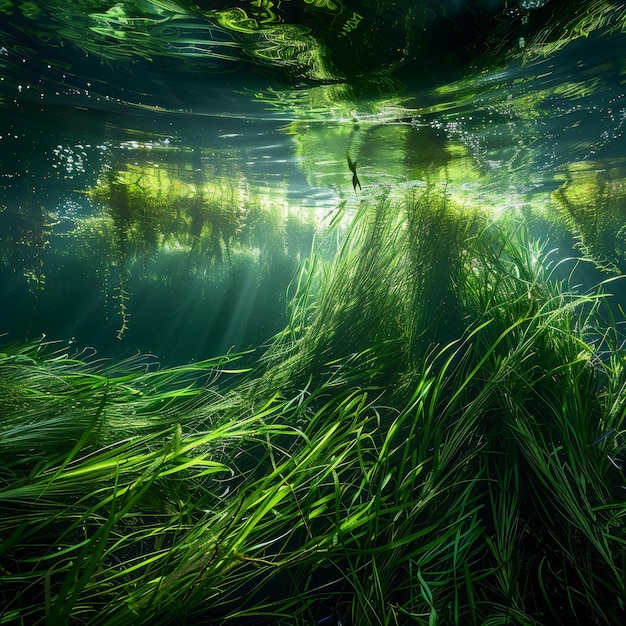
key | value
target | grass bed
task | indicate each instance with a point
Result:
(435, 438)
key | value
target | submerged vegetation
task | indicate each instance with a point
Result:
(592, 203)
(149, 210)
(435, 433)
(435, 438)
(195, 243)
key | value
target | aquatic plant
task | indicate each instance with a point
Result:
(26, 228)
(379, 466)
(592, 205)
(151, 213)
(390, 292)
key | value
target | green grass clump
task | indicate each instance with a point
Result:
(391, 293)
(436, 438)
(592, 206)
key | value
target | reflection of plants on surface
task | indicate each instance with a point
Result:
(141, 203)
(217, 218)
(593, 207)
(151, 207)
(396, 150)
(366, 51)
(441, 470)
(573, 23)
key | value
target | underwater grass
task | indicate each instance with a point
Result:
(385, 463)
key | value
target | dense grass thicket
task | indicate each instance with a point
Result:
(435, 438)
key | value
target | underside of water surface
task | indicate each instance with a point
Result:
(312, 312)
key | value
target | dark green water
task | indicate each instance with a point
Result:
(258, 103)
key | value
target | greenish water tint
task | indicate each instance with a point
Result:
(312, 312)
